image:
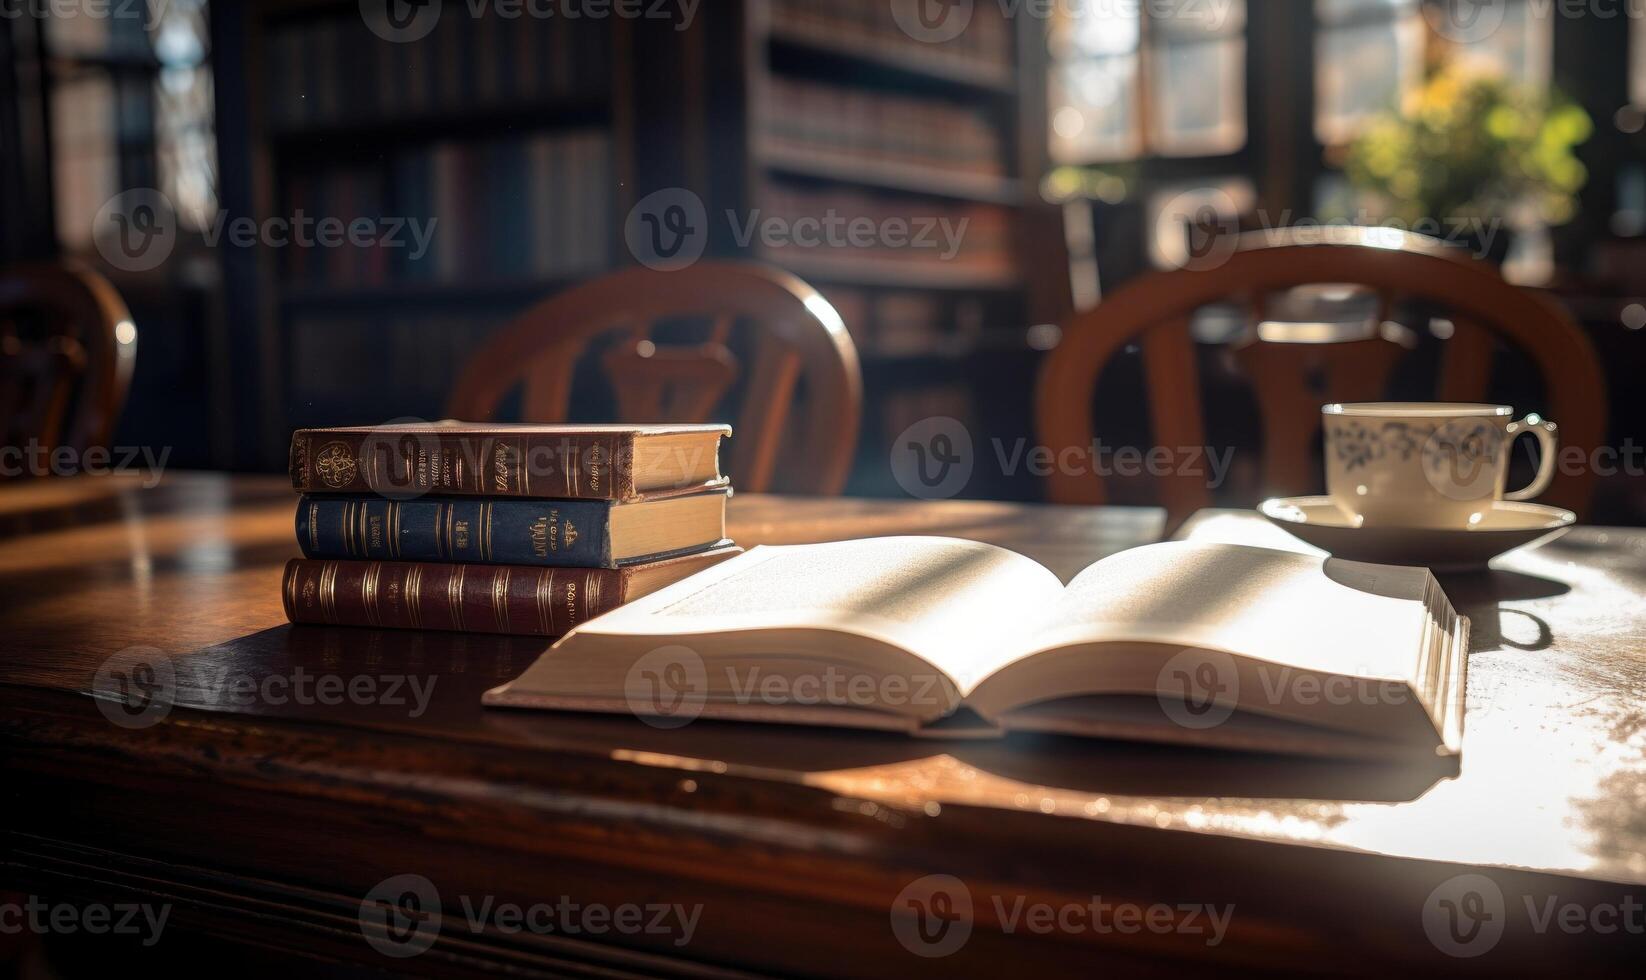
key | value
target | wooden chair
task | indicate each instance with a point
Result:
(67, 347)
(769, 336)
(1154, 312)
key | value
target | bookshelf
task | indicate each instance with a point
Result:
(847, 168)
(785, 108)
(509, 141)
(844, 111)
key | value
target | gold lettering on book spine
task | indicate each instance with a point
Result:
(454, 597)
(591, 595)
(414, 595)
(289, 591)
(300, 462)
(599, 466)
(545, 601)
(500, 598)
(328, 592)
(314, 527)
(336, 465)
(368, 592)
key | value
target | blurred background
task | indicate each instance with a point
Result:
(1015, 163)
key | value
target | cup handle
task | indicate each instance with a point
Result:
(1548, 441)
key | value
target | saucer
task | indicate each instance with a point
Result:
(1507, 525)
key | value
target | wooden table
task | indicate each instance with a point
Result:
(265, 818)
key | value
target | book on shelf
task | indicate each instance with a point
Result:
(518, 209)
(1183, 642)
(331, 71)
(559, 533)
(885, 230)
(509, 599)
(908, 323)
(985, 43)
(422, 349)
(497, 459)
(809, 121)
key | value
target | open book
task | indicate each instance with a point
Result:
(1218, 644)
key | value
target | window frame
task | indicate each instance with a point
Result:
(1144, 142)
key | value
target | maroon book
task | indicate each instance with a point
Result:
(514, 599)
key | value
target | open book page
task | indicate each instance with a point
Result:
(1300, 611)
(960, 605)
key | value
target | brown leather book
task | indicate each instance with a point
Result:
(514, 599)
(493, 459)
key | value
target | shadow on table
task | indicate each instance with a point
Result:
(428, 684)
(45, 505)
(1480, 596)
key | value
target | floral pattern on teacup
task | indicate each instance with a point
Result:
(1355, 445)
(1460, 458)
(1405, 438)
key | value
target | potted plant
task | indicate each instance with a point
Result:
(1467, 151)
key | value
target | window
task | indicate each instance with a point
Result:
(1637, 60)
(131, 106)
(1369, 53)
(184, 133)
(1132, 80)
(1520, 48)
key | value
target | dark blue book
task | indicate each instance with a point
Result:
(556, 533)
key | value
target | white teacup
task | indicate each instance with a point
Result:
(1426, 464)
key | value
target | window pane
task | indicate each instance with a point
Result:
(1363, 70)
(1195, 19)
(185, 143)
(1519, 49)
(1095, 27)
(1338, 11)
(85, 161)
(1637, 61)
(1094, 109)
(1199, 97)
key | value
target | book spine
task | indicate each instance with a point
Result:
(397, 463)
(418, 595)
(558, 533)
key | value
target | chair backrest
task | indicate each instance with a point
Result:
(765, 333)
(1154, 312)
(67, 347)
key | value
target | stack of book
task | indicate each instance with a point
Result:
(520, 529)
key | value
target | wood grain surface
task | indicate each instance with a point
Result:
(264, 811)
